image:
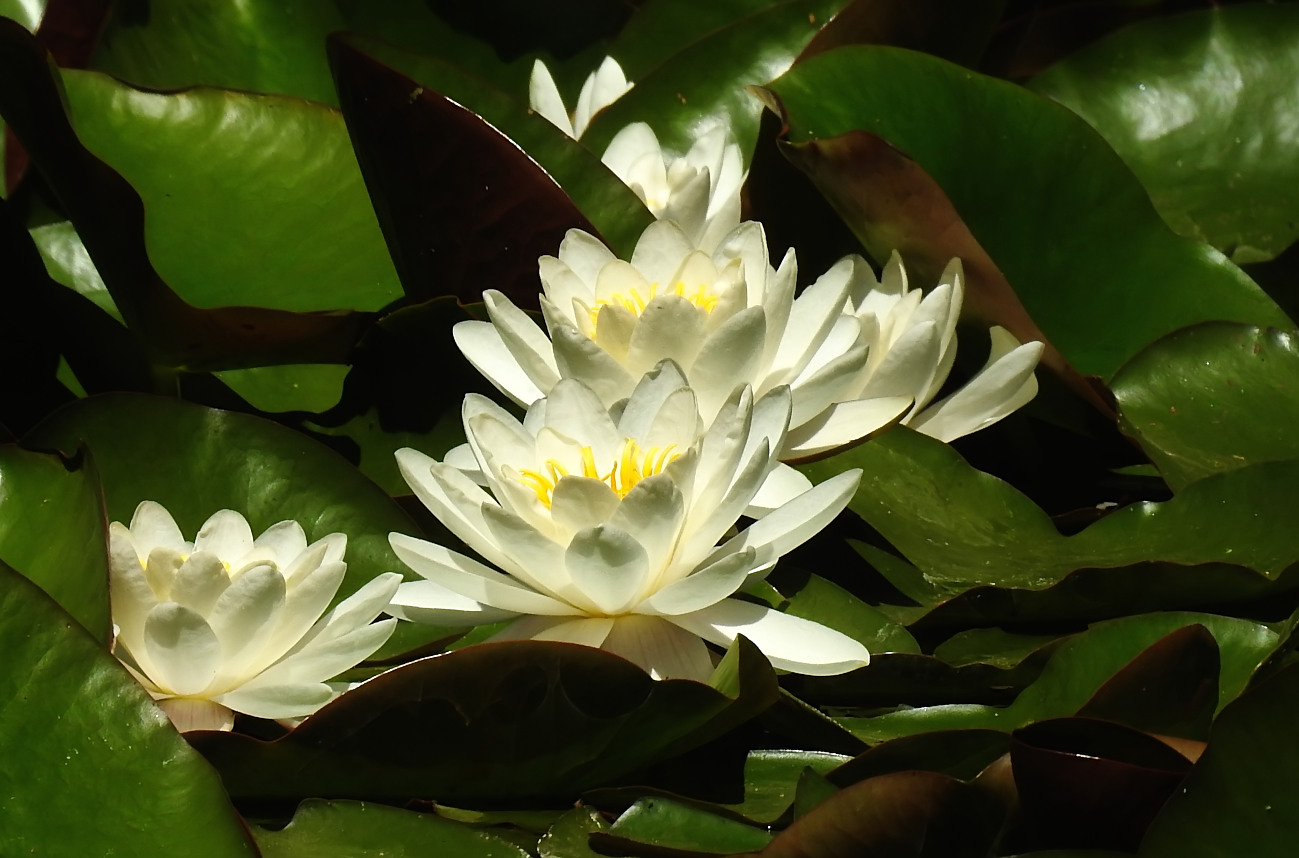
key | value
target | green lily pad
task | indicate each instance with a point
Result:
(1241, 797)
(1078, 668)
(270, 183)
(830, 605)
(263, 46)
(678, 829)
(494, 722)
(300, 387)
(1039, 190)
(357, 829)
(1212, 398)
(963, 527)
(1202, 107)
(91, 766)
(703, 85)
(52, 530)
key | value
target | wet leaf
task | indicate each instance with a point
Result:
(52, 531)
(461, 206)
(961, 754)
(568, 838)
(113, 776)
(1202, 107)
(830, 605)
(678, 829)
(501, 721)
(1039, 191)
(356, 829)
(261, 46)
(1241, 798)
(1212, 398)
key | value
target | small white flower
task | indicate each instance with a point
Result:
(607, 523)
(602, 88)
(855, 353)
(700, 190)
(229, 623)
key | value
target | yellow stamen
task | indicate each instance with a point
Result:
(630, 467)
(635, 303)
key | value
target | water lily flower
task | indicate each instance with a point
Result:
(228, 623)
(855, 352)
(700, 190)
(602, 88)
(612, 528)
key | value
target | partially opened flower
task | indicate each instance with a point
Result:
(229, 623)
(700, 190)
(612, 528)
(855, 353)
(602, 88)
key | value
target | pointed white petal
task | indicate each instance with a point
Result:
(199, 582)
(244, 618)
(789, 643)
(841, 424)
(609, 567)
(660, 648)
(794, 523)
(153, 527)
(278, 701)
(226, 534)
(432, 604)
(182, 651)
(782, 485)
(1004, 384)
(702, 588)
(483, 346)
(472, 579)
(544, 98)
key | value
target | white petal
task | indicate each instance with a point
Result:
(609, 567)
(153, 527)
(544, 98)
(432, 604)
(813, 314)
(244, 618)
(702, 588)
(794, 523)
(729, 358)
(581, 502)
(285, 541)
(587, 631)
(652, 513)
(660, 648)
(538, 561)
(472, 579)
(129, 592)
(841, 424)
(325, 656)
(526, 342)
(199, 582)
(782, 485)
(278, 701)
(1004, 384)
(227, 535)
(453, 498)
(584, 254)
(182, 651)
(670, 328)
(578, 357)
(789, 643)
(483, 346)
(304, 604)
(191, 713)
(660, 251)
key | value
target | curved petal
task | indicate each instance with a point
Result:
(484, 347)
(325, 656)
(794, 523)
(278, 701)
(584, 254)
(432, 604)
(284, 540)
(789, 643)
(702, 588)
(472, 579)
(782, 485)
(227, 535)
(544, 98)
(578, 357)
(526, 342)
(193, 713)
(587, 631)
(199, 582)
(153, 527)
(609, 567)
(182, 651)
(1004, 384)
(658, 647)
(841, 424)
(244, 619)
(729, 358)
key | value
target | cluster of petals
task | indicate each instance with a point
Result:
(602, 87)
(228, 623)
(855, 352)
(614, 527)
(699, 191)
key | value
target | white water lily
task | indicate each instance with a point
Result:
(228, 623)
(856, 353)
(602, 88)
(700, 190)
(611, 528)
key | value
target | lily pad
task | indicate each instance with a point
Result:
(263, 46)
(495, 722)
(52, 530)
(1039, 190)
(357, 829)
(91, 765)
(963, 527)
(1212, 398)
(683, 829)
(1241, 798)
(1202, 107)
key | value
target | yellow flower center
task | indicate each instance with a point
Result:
(702, 297)
(630, 467)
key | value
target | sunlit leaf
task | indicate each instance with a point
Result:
(91, 766)
(1039, 190)
(686, 830)
(1202, 107)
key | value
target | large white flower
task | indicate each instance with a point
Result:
(612, 528)
(700, 190)
(602, 88)
(229, 623)
(855, 353)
